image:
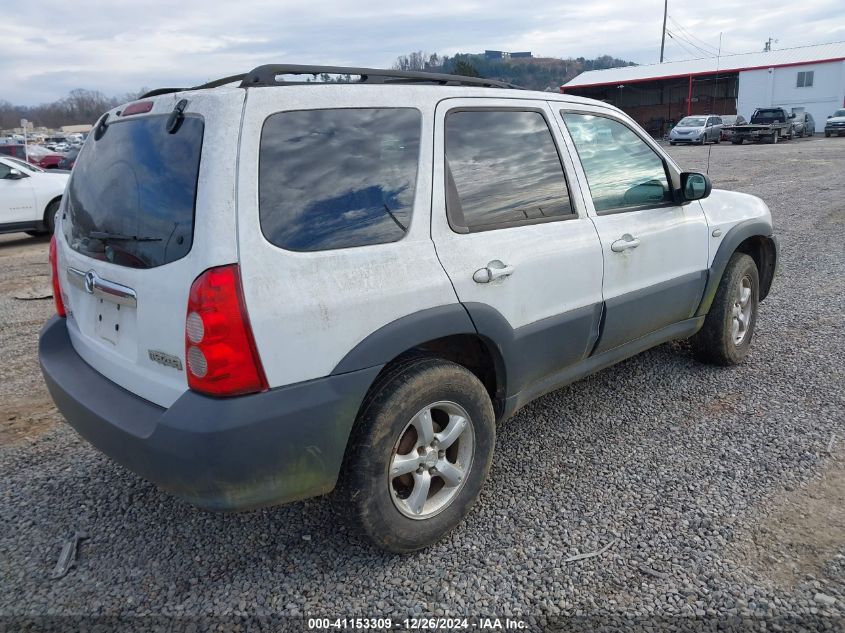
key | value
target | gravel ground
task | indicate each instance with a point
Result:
(718, 491)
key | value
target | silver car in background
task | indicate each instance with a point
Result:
(697, 129)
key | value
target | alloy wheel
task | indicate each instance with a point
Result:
(741, 318)
(431, 459)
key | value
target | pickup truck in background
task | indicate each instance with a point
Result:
(767, 124)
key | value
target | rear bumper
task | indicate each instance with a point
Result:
(221, 454)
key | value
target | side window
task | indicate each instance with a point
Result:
(717, 121)
(338, 178)
(502, 167)
(805, 79)
(622, 170)
(20, 152)
(4, 170)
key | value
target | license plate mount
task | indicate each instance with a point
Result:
(107, 325)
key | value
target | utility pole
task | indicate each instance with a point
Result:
(663, 38)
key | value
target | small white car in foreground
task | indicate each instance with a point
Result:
(29, 197)
(269, 289)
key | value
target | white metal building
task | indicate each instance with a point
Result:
(811, 78)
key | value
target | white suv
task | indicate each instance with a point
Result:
(29, 196)
(269, 289)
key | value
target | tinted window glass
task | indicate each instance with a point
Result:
(338, 178)
(4, 170)
(131, 196)
(622, 170)
(504, 167)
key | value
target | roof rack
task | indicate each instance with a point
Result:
(211, 84)
(268, 75)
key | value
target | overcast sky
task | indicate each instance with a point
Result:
(50, 47)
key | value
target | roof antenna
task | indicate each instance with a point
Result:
(713, 102)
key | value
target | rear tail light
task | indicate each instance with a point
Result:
(57, 288)
(220, 350)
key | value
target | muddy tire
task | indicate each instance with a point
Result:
(419, 454)
(728, 328)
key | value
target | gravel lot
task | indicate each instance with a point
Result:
(721, 492)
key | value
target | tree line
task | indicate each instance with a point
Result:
(535, 73)
(79, 107)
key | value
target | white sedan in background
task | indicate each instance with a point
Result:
(29, 196)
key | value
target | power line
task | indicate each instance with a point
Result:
(677, 41)
(683, 29)
(700, 50)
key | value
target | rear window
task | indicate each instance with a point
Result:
(132, 194)
(338, 178)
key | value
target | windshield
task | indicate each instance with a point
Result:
(839, 113)
(131, 197)
(36, 151)
(768, 116)
(23, 164)
(692, 121)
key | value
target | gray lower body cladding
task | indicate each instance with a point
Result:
(218, 453)
(635, 314)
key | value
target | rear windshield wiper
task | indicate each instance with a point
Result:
(102, 235)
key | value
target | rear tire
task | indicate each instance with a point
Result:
(736, 141)
(412, 509)
(728, 327)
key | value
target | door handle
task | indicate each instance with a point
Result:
(494, 270)
(624, 243)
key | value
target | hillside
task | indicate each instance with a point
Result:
(535, 73)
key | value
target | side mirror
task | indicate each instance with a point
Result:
(15, 174)
(695, 186)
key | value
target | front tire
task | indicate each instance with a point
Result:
(420, 453)
(50, 217)
(728, 327)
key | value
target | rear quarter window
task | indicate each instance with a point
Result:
(338, 178)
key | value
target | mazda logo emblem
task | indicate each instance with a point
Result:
(90, 277)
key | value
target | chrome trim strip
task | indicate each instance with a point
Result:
(102, 288)
(76, 277)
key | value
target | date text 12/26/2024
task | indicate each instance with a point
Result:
(417, 624)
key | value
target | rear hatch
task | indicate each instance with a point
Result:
(150, 206)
